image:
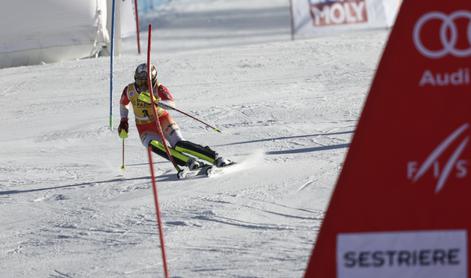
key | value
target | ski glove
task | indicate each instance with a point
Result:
(123, 126)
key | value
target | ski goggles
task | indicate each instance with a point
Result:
(142, 83)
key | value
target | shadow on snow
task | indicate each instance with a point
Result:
(286, 138)
(166, 177)
(294, 151)
(313, 149)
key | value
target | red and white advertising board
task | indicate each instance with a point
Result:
(402, 201)
(320, 17)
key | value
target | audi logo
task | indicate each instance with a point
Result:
(448, 34)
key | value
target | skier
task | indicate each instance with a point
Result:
(183, 152)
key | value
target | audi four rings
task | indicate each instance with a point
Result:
(448, 26)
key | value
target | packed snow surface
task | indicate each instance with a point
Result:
(287, 108)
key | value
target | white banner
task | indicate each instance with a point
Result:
(127, 19)
(414, 254)
(50, 30)
(320, 17)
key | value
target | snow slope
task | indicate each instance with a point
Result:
(67, 210)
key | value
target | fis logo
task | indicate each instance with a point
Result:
(444, 168)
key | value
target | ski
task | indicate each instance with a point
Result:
(214, 171)
(187, 173)
(205, 171)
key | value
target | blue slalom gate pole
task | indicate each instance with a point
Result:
(111, 62)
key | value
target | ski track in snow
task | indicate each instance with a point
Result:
(251, 161)
(288, 110)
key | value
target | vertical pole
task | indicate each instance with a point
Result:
(149, 153)
(122, 156)
(137, 28)
(291, 18)
(153, 104)
(123, 135)
(117, 27)
(157, 212)
(111, 63)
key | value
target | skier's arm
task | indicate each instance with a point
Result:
(124, 104)
(165, 96)
(124, 112)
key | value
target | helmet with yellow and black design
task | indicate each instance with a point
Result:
(140, 76)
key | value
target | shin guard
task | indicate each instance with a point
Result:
(205, 153)
(158, 148)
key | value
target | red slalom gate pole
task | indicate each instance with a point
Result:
(151, 164)
(153, 104)
(137, 28)
(157, 212)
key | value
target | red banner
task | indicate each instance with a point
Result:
(401, 205)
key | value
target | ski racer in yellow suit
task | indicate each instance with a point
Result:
(184, 153)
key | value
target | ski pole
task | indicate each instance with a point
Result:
(122, 163)
(146, 98)
(123, 134)
(163, 105)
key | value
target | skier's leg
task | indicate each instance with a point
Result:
(205, 153)
(173, 135)
(178, 157)
(152, 140)
(171, 130)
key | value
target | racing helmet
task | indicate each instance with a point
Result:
(140, 75)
